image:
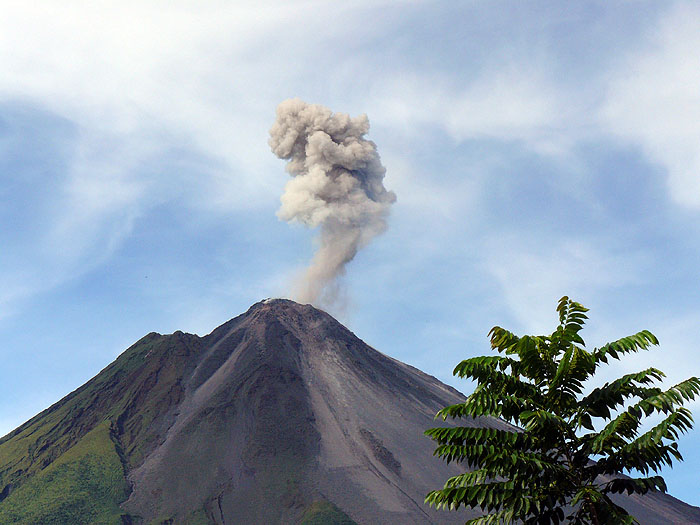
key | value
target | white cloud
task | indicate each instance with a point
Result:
(654, 100)
(432, 198)
(534, 275)
(511, 102)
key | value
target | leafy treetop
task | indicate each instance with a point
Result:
(543, 471)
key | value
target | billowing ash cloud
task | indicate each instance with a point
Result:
(337, 185)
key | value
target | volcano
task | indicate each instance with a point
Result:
(280, 415)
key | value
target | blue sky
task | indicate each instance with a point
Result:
(536, 150)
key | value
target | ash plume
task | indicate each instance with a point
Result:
(337, 185)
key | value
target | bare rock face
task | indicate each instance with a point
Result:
(280, 415)
(286, 407)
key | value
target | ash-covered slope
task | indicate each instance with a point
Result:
(287, 407)
(281, 415)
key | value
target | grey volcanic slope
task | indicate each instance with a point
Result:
(281, 415)
(286, 407)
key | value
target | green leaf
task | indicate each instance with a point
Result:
(531, 474)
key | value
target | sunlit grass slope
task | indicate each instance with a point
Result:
(84, 443)
(84, 485)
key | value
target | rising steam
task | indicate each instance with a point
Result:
(336, 184)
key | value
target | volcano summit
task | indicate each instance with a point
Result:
(281, 415)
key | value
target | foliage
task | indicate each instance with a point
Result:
(556, 466)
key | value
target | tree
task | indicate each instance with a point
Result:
(554, 465)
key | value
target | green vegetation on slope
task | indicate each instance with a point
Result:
(84, 485)
(132, 393)
(35, 444)
(325, 513)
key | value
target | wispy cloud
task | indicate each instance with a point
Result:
(535, 273)
(653, 100)
(506, 101)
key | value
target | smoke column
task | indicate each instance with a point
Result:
(337, 184)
